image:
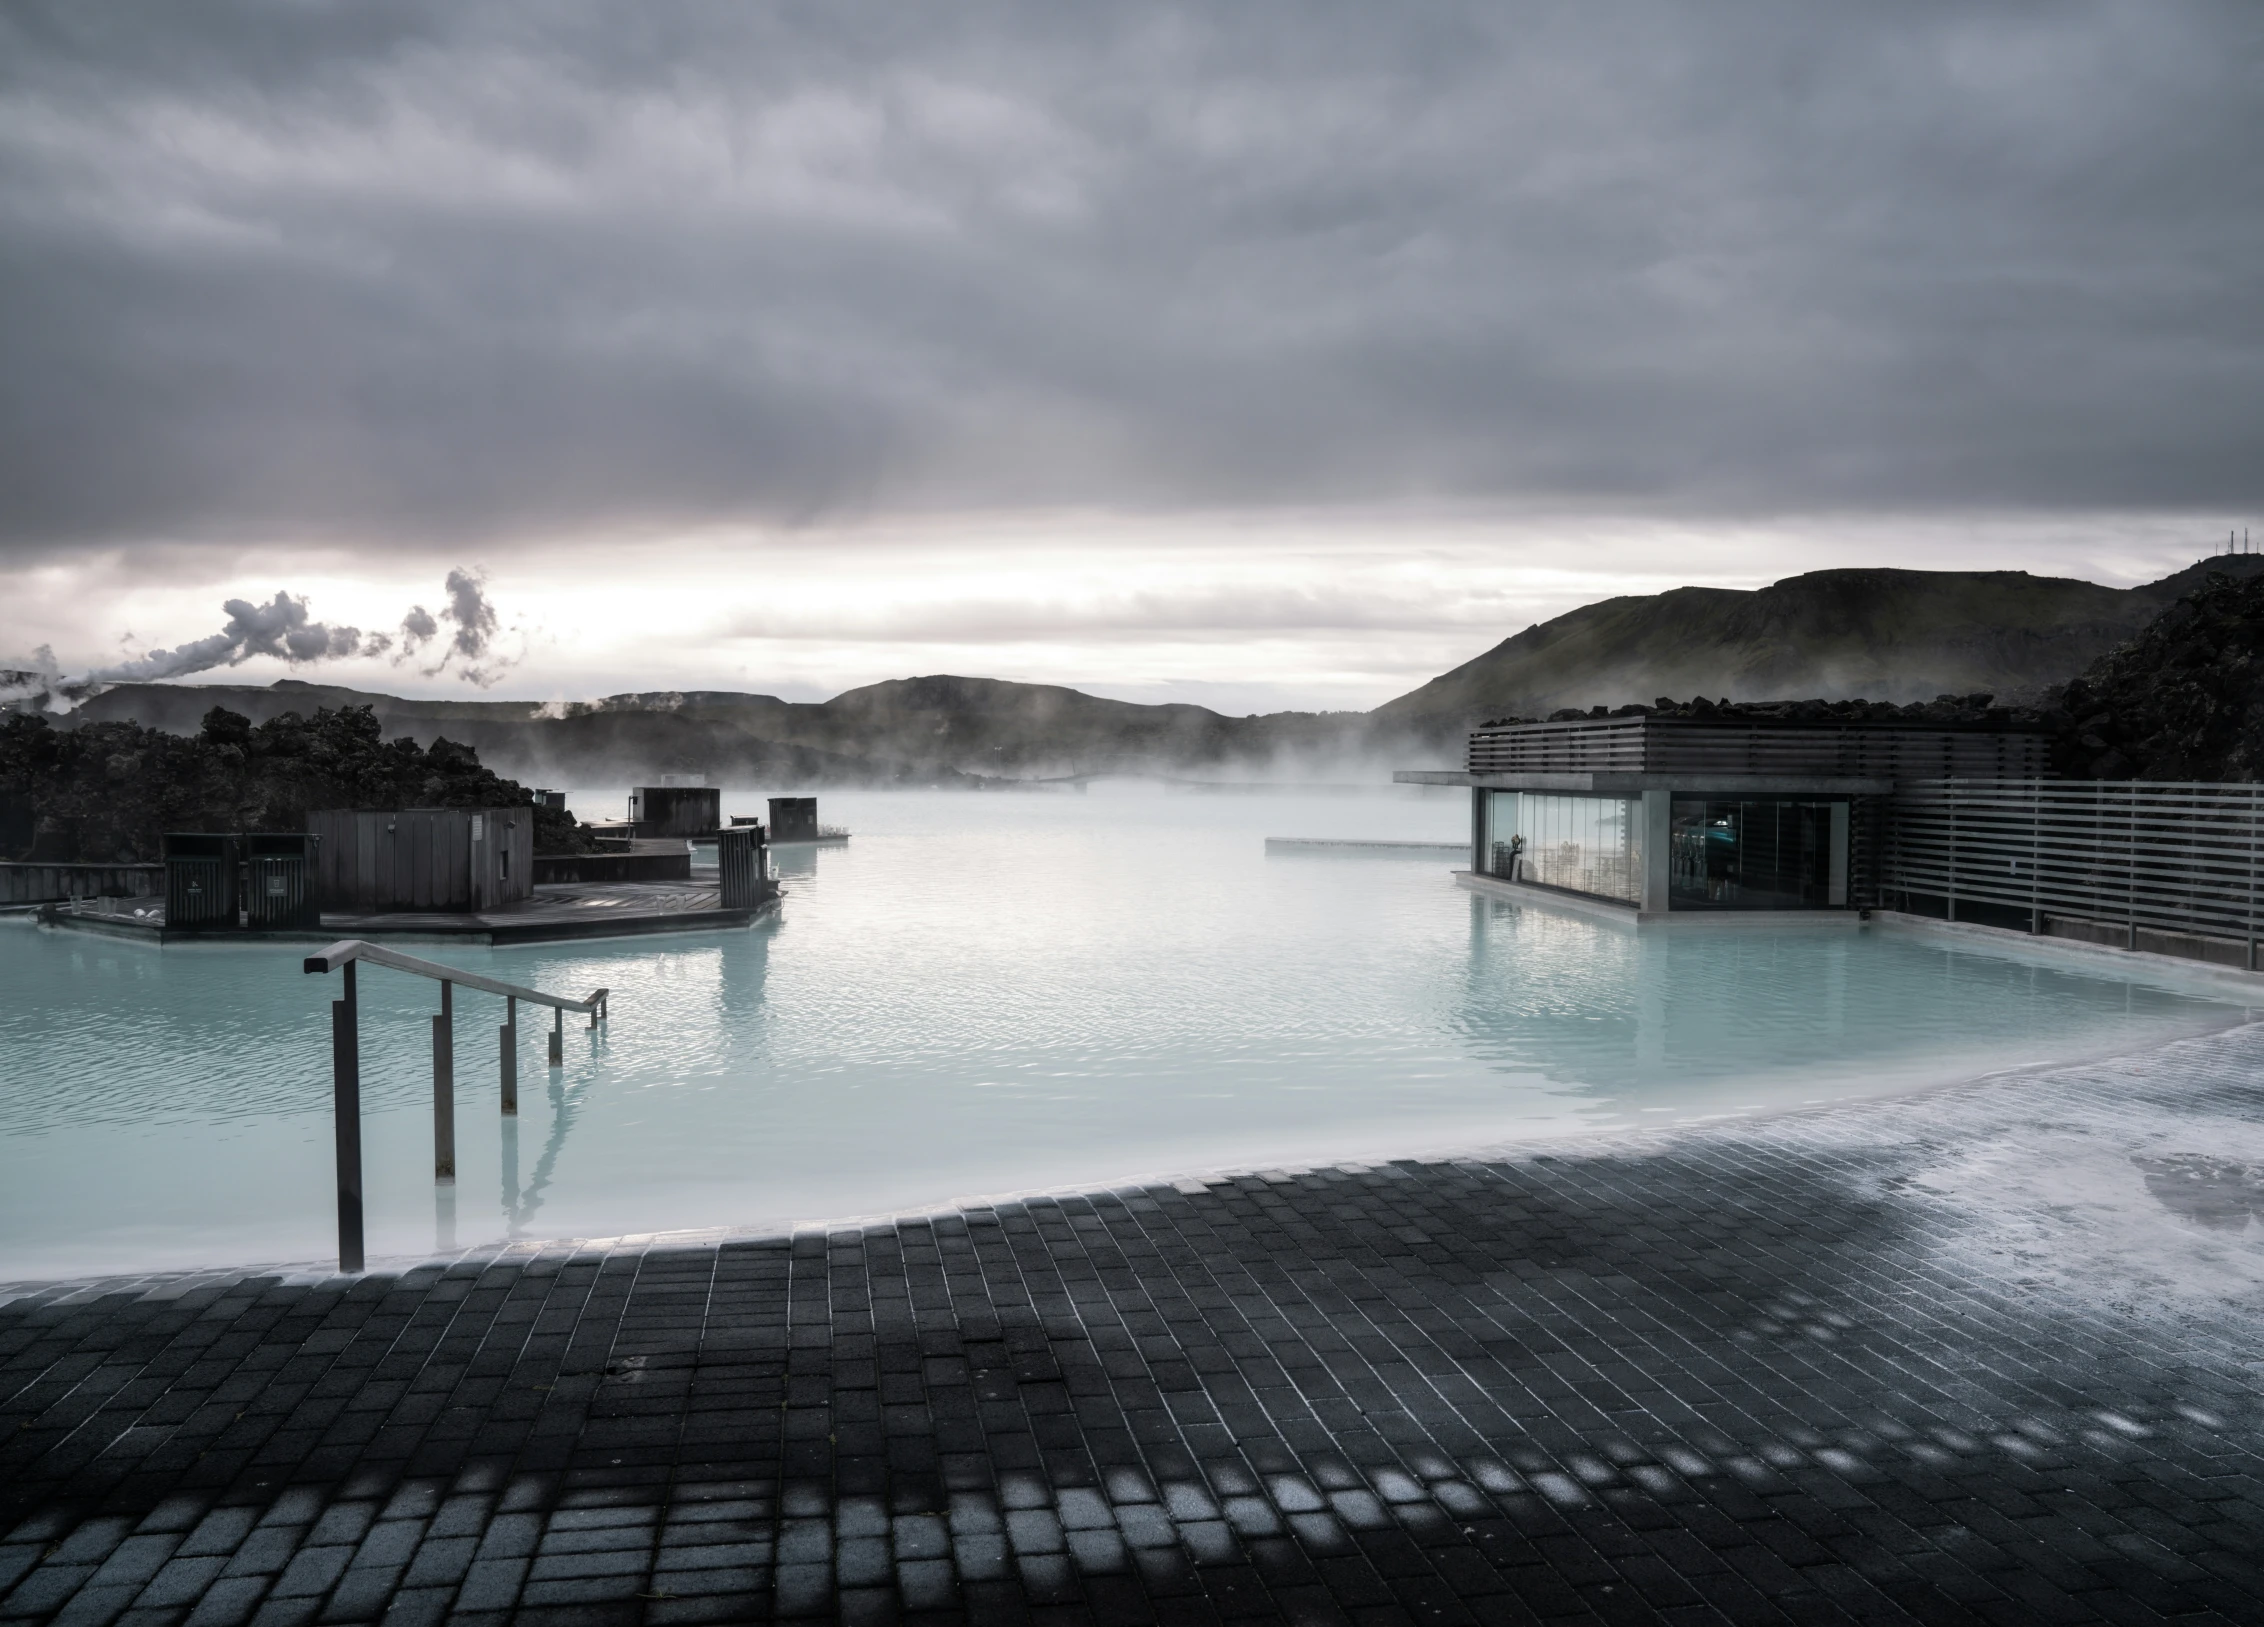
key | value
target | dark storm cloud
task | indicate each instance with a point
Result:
(506, 271)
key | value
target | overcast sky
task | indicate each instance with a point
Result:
(1263, 354)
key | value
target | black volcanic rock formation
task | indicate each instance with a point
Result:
(2182, 701)
(1964, 711)
(107, 792)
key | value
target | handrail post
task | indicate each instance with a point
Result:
(444, 1086)
(346, 1068)
(511, 1056)
(346, 1121)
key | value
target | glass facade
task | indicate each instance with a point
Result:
(1588, 845)
(1757, 854)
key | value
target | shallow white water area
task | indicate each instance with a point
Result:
(979, 994)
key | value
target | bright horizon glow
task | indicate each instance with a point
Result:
(1241, 613)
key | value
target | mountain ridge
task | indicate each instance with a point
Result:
(1882, 634)
(1876, 633)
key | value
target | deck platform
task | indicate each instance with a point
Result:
(556, 913)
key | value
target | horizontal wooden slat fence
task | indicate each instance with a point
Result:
(2144, 864)
(1694, 746)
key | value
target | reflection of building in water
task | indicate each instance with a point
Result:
(1681, 814)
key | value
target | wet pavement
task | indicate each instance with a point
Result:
(1990, 1354)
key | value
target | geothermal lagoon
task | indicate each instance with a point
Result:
(980, 994)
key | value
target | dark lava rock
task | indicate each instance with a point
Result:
(2184, 700)
(107, 792)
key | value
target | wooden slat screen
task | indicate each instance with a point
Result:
(1683, 746)
(2152, 855)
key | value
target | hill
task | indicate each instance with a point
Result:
(938, 730)
(1882, 635)
(2184, 700)
(1887, 635)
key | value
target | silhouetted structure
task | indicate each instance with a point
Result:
(793, 819)
(422, 858)
(676, 810)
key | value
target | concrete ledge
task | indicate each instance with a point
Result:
(492, 930)
(2074, 950)
(1596, 909)
(553, 869)
(26, 883)
(1304, 844)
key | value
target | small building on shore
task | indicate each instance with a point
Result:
(426, 859)
(1650, 816)
(671, 811)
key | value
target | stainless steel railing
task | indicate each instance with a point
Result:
(346, 1064)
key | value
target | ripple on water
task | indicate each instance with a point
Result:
(977, 994)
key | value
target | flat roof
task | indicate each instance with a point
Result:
(1631, 782)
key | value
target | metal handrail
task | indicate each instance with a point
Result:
(346, 1064)
(347, 950)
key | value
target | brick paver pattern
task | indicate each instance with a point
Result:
(1754, 1372)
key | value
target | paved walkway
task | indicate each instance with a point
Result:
(1988, 1355)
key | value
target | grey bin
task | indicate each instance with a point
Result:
(279, 881)
(200, 882)
(742, 862)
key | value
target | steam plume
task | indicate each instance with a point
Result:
(474, 638)
(284, 630)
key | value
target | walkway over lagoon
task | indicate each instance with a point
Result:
(1986, 1355)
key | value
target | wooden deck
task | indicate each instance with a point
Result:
(555, 913)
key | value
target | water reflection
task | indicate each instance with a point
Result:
(989, 994)
(566, 1102)
(736, 976)
(510, 1161)
(444, 1217)
(1658, 1016)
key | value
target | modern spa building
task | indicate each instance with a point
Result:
(1649, 817)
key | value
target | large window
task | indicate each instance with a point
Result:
(1581, 844)
(1756, 855)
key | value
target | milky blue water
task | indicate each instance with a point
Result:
(979, 994)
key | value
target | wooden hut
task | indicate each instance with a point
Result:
(423, 858)
(793, 819)
(675, 810)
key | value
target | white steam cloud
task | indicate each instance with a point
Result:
(474, 639)
(285, 630)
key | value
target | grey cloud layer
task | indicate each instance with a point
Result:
(500, 271)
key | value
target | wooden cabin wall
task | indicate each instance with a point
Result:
(423, 859)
